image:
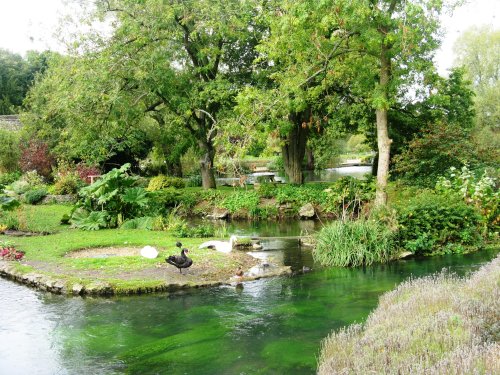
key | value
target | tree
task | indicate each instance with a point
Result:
(478, 52)
(300, 57)
(399, 38)
(16, 76)
(186, 65)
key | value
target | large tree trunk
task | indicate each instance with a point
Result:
(294, 147)
(310, 159)
(207, 165)
(383, 140)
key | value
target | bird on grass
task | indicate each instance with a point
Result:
(222, 246)
(180, 261)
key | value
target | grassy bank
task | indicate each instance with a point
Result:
(434, 325)
(51, 255)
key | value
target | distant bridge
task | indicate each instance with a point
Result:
(10, 122)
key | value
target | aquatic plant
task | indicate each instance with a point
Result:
(439, 324)
(354, 243)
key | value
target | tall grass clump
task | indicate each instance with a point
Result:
(354, 243)
(439, 324)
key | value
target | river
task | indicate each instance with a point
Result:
(268, 326)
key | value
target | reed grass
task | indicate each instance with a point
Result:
(354, 243)
(439, 324)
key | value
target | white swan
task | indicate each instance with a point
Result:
(149, 252)
(222, 246)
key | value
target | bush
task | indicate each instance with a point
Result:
(68, 183)
(8, 178)
(162, 182)
(242, 200)
(84, 171)
(347, 196)
(35, 196)
(430, 155)
(482, 192)
(432, 223)
(36, 156)
(109, 201)
(197, 231)
(194, 181)
(354, 243)
(433, 325)
(9, 152)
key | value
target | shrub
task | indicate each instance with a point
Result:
(109, 201)
(68, 183)
(9, 152)
(35, 196)
(36, 156)
(84, 171)
(482, 192)
(354, 243)
(139, 223)
(194, 181)
(430, 155)
(8, 178)
(433, 325)
(430, 222)
(347, 196)
(162, 182)
(197, 231)
(242, 200)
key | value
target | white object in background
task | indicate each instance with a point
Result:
(149, 252)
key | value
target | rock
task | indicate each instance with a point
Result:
(404, 255)
(77, 289)
(49, 199)
(219, 214)
(99, 288)
(307, 211)
(307, 242)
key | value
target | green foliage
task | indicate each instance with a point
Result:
(139, 223)
(35, 196)
(16, 76)
(431, 155)
(197, 231)
(162, 182)
(477, 50)
(430, 223)
(354, 243)
(348, 195)
(90, 220)
(194, 181)
(8, 203)
(481, 192)
(109, 201)
(9, 152)
(68, 183)
(242, 200)
(8, 178)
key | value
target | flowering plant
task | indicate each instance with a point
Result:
(481, 192)
(9, 252)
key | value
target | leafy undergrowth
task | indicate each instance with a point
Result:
(434, 325)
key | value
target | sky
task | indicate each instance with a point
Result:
(32, 25)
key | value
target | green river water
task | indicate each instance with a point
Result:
(268, 326)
